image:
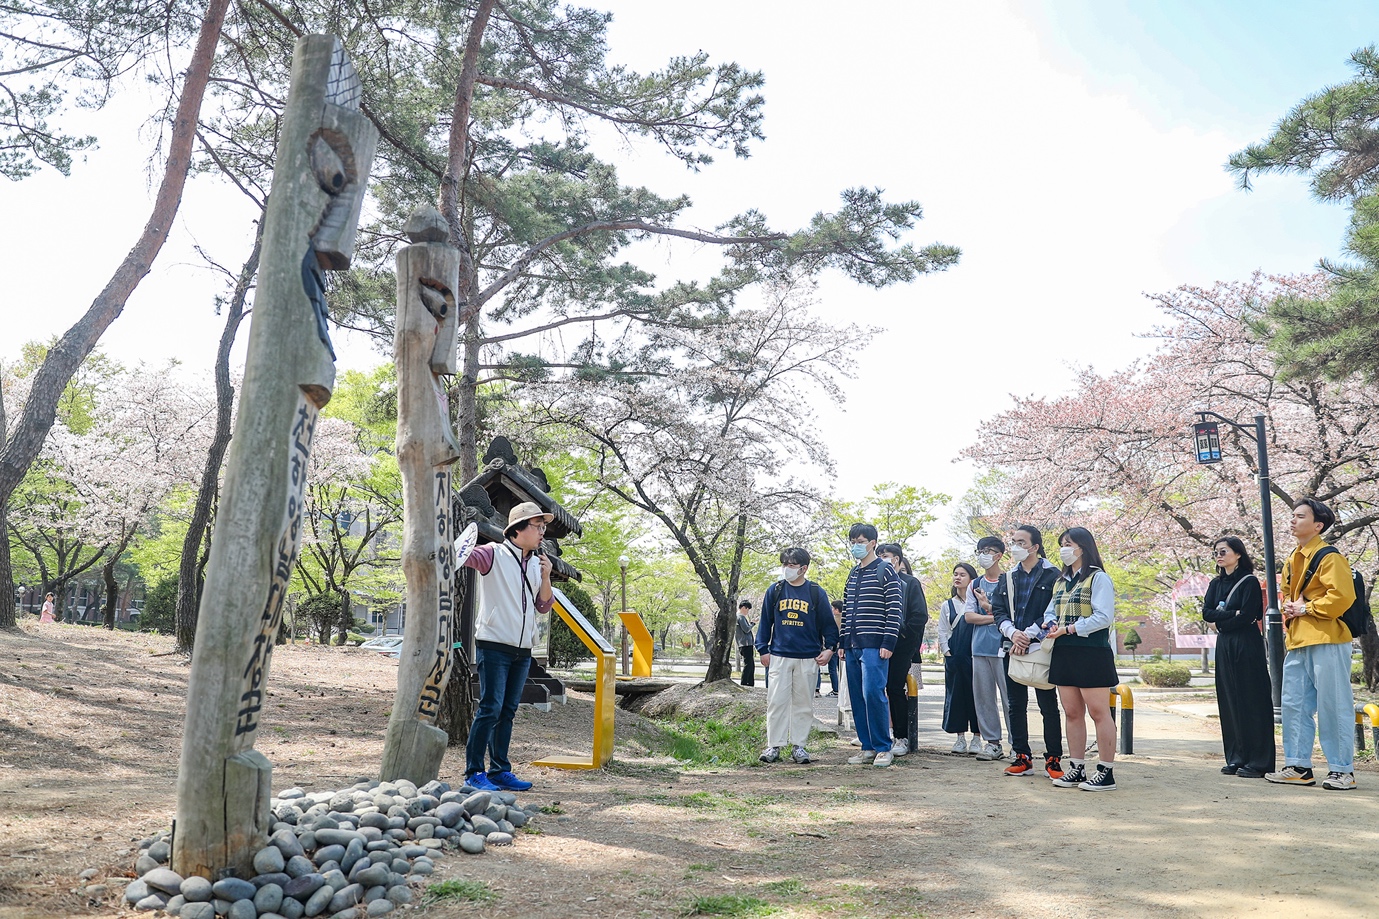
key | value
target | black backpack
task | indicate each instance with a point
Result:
(1357, 618)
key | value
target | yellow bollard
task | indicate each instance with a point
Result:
(1127, 722)
(605, 696)
(642, 645)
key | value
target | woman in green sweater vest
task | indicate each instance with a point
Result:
(1082, 664)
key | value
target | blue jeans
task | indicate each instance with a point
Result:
(832, 675)
(502, 674)
(871, 713)
(1316, 680)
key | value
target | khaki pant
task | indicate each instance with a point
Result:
(790, 700)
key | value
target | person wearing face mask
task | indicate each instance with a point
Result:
(988, 675)
(955, 641)
(744, 643)
(871, 627)
(796, 635)
(1235, 605)
(1082, 665)
(1018, 605)
(914, 612)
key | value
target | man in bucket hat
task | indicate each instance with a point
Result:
(514, 586)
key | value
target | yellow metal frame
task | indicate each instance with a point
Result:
(605, 696)
(642, 645)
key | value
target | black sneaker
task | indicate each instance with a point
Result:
(1102, 781)
(1074, 777)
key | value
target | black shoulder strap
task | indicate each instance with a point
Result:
(1312, 565)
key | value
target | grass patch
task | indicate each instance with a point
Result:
(711, 742)
(458, 890)
(725, 803)
(790, 887)
(731, 905)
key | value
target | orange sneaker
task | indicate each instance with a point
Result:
(1021, 766)
(1053, 766)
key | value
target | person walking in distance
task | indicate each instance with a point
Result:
(988, 674)
(48, 607)
(914, 615)
(746, 643)
(955, 641)
(796, 635)
(1317, 699)
(871, 627)
(1018, 604)
(1234, 604)
(1082, 664)
(514, 587)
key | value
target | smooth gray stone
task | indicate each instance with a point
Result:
(299, 865)
(160, 851)
(399, 834)
(152, 901)
(353, 853)
(381, 907)
(308, 840)
(371, 833)
(415, 807)
(291, 909)
(164, 879)
(384, 856)
(329, 854)
(319, 901)
(342, 803)
(378, 845)
(327, 836)
(290, 794)
(287, 814)
(303, 887)
(269, 860)
(268, 898)
(412, 851)
(444, 832)
(349, 912)
(335, 879)
(505, 827)
(454, 797)
(477, 803)
(346, 897)
(400, 895)
(98, 891)
(435, 787)
(175, 905)
(135, 892)
(271, 916)
(221, 906)
(423, 820)
(482, 825)
(449, 813)
(199, 910)
(505, 798)
(386, 788)
(401, 866)
(145, 863)
(430, 801)
(395, 879)
(426, 831)
(517, 818)
(496, 812)
(400, 811)
(432, 845)
(472, 843)
(372, 875)
(233, 889)
(89, 873)
(242, 909)
(286, 842)
(326, 867)
(499, 839)
(396, 822)
(281, 878)
(422, 869)
(374, 893)
(376, 820)
(196, 889)
(382, 801)
(407, 789)
(320, 797)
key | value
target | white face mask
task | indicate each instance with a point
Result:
(1068, 554)
(1019, 553)
(985, 561)
(789, 574)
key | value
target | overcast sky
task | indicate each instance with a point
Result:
(1073, 149)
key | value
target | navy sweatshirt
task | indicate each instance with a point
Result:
(796, 621)
(872, 607)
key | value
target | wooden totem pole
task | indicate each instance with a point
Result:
(428, 273)
(323, 159)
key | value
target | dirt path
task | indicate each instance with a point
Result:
(89, 734)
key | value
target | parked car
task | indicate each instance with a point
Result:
(387, 645)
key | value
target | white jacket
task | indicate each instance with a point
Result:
(506, 609)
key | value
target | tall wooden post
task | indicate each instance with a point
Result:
(324, 154)
(424, 348)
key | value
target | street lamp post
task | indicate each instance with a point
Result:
(626, 666)
(1207, 442)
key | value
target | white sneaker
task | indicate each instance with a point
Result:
(990, 753)
(884, 759)
(1334, 781)
(960, 745)
(861, 759)
(975, 746)
(900, 747)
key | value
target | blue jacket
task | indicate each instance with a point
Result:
(796, 621)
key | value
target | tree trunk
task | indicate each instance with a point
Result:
(112, 592)
(8, 617)
(40, 409)
(192, 567)
(721, 648)
(342, 628)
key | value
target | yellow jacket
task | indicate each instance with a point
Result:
(1329, 594)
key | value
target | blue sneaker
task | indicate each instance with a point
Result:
(506, 781)
(479, 782)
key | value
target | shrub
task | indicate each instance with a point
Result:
(564, 649)
(160, 607)
(1357, 671)
(1165, 673)
(322, 611)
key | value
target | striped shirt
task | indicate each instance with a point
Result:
(871, 607)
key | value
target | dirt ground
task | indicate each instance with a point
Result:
(90, 726)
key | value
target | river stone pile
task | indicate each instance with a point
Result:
(341, 854)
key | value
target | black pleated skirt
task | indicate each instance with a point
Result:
(1083, 666)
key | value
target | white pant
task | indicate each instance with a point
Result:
(988, 682)
(790, 700)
